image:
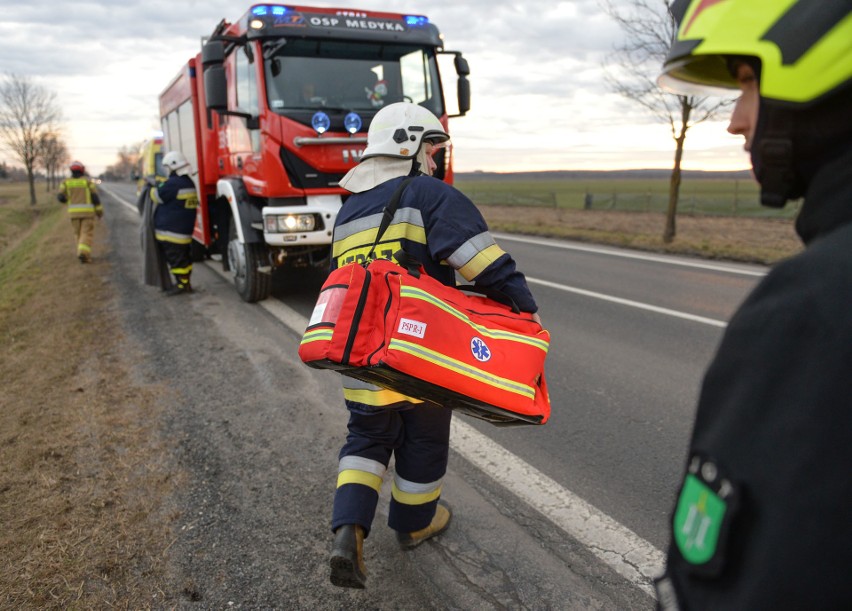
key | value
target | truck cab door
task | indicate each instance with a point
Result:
(244, 131)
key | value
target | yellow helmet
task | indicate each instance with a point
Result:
(804, 46)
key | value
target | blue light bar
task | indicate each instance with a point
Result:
(416, 20)
(260, 11)
(320, 122)
(279, 10)
(352, 122)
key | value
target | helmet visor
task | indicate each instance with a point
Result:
(699, 76)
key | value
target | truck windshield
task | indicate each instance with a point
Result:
(349, 76)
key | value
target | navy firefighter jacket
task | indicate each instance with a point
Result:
(176, 201)
(437, 225)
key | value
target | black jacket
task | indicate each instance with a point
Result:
(176, 201)
(774, 421)
(438, 226)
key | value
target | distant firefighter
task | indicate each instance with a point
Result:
(80, 194)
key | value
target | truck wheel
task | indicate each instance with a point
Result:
(244, 260)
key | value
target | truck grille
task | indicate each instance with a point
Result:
(305, 176)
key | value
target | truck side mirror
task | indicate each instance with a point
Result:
(463, 70)
(216, 88)
(464, 95)
(213, 52)
(463, 87)
(215, 82)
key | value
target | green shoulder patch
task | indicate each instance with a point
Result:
(705, 506)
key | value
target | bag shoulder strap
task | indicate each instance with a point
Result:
(388, 212)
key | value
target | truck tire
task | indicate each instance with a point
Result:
(244, 260)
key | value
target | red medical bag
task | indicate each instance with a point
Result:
(398, 328)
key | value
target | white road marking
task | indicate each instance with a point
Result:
(624, 551)
(118, 198)
(616, 545)
(628, 254)
(629, 302)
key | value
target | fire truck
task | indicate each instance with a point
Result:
(273, 112)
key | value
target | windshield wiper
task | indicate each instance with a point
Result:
(271, 48)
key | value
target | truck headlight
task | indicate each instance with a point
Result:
(290, 223)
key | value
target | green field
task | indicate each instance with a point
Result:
(698, 196)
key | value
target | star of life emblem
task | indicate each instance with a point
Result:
(480, 350)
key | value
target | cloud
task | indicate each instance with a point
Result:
(539, 97)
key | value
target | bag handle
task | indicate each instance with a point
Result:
(387, 214)
(493, 294)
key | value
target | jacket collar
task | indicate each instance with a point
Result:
(374, 171)
(828, 200)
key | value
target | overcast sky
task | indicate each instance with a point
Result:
(539, 101)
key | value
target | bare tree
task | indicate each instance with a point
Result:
(52, 154)
(123, 168)
(27, 112)
(649, 32)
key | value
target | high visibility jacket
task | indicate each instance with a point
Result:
(81, 197)
(176, 201)
(438, 226)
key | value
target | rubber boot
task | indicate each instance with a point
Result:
(347, 557)
(182, 287)
(440, 523)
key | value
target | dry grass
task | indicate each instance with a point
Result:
(737, 239)
(83, 474)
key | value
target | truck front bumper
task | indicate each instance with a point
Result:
(312, 224)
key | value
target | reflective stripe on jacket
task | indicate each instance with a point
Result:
(78, 193)
(437, 225)
(176, 201)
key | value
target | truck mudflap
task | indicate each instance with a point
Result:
(308, 225)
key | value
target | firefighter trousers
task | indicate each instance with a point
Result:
(84, 234)
(418, 438)
(179, 258)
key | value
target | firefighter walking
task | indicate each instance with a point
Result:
(176, 201)
(442, 229)
(80, 194)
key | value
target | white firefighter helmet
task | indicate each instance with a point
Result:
(394, 143)
(398, 130)
(176, 162)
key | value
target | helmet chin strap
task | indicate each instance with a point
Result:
(773, 157)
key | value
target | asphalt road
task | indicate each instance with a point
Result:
(259, 432)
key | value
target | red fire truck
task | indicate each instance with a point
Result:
(275, 110)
